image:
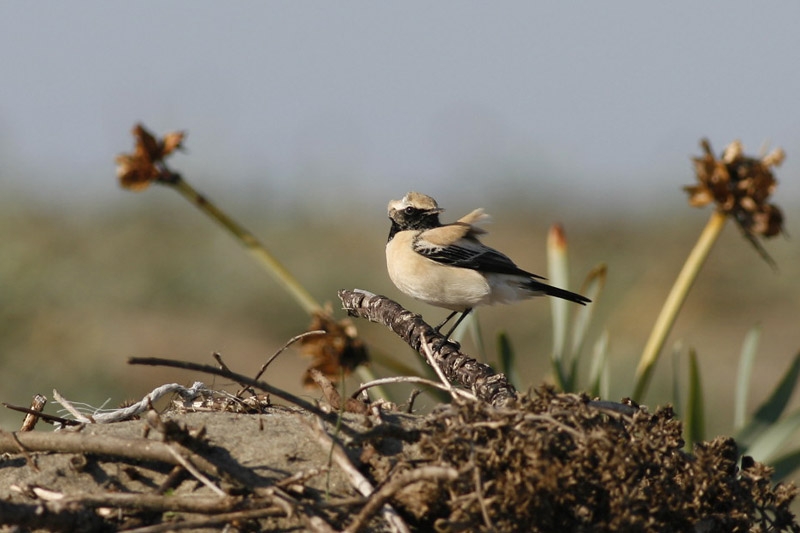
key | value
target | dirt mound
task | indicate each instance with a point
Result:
(542, 463)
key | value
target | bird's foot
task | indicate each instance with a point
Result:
(439, 342)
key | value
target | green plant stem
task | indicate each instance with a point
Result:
(263, 257)
(256, 249)
(674, 302)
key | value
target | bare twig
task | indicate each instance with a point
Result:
(430, 358)
(208, 522)
(218, 358)
(395, 484)
(457, 367)
(164, 504)
(266, 387)
(357, 479)
(37, 405)
(487, 520)
(351, 405)
(411, 379)
(411, 398)
(50, 419)
(13, 440)
(131, 448)
(285, 346)
(185, 463)
(300, 477)
(80, 417)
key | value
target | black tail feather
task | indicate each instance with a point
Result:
(558, 293)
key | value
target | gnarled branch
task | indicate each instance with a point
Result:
(457, 367)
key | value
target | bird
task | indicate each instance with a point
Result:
(446, 265)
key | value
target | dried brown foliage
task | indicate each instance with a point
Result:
(739, 186)
(137, 170)
(336, 353)
(556, 463)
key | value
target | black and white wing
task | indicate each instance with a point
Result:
(455, 245)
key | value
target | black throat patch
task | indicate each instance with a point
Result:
(413, 219)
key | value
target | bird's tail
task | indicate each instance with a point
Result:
(549, 290)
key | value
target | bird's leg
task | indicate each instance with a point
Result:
(445, 321)
(460, 319)
(438, 346)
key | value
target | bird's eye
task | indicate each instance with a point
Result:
(409, 210)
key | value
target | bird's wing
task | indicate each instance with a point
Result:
(478, 216)
(455, 245)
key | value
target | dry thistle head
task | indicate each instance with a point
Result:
(740, 186)
(146, 164)
(336, 353)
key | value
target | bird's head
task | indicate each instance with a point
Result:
(414, 211)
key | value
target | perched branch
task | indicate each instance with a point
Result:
(457, 367)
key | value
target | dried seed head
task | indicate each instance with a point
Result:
(740, 186)
(146, 164)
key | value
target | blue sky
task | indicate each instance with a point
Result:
(317, 100)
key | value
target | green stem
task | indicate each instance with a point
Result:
(256, 249)
(674, 302)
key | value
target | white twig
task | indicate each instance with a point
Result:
(195, 472)
(394, 485)
(427, 351)
(125, 413)
(71, 408)
(357, 479)
(410, 379)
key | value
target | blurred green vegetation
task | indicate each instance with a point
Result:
(84, 288)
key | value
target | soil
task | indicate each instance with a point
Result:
(545, 462)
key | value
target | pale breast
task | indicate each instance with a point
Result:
(453, 288)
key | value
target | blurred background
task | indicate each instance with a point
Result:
(304, 119)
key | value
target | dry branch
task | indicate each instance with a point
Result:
(480, 378)
(357, 479)
(128, 448)
(244, 380)
(39, 516)
(37, 406)
(386, 492)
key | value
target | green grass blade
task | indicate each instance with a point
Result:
(695, 416)
(677, 403)
(558, 272)
(598, 372)
(771, 440)
(748, 356)
(785, 465)
(507, 357)
(473, 325)
(772, 409)
(591, 288)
